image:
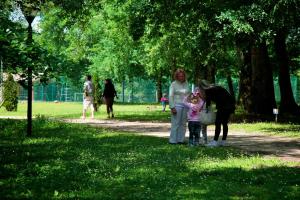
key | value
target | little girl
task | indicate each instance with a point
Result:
(164, 100)
(194, 103)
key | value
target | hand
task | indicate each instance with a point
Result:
(174, 111)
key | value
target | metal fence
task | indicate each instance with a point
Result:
(140, 91)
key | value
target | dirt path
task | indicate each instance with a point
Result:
(281, 147)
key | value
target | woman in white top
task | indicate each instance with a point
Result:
(178, 91)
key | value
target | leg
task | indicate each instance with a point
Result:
(218, 125)
(163, 106)
(191, 133)
(84, 109)
(174, 128)
(92, 110)
(204, 133)
(107, 101)
(225, 120)
(83, 113)
(197, 132)
(182, 113)
(111, 107)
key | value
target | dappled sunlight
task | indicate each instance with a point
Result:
(77, 161)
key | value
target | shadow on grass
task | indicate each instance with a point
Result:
(292, 128)
(68, 161)
(158, 116)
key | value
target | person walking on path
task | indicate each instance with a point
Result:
(194, 104)
(225, 105)
(178, 91)
(109, 94)
(88, 99)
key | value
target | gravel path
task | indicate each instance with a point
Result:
(282, 147)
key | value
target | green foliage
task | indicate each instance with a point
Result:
(10, 94)
(97, 93)
(64, 161)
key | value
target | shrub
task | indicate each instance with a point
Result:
(10, 94)
(97, 93)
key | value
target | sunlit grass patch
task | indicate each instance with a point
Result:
(66, 161)
(271, 128)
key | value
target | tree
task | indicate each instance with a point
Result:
(284, 14)
(10, 94)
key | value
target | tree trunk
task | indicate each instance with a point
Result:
(230, 84)
(197, 74)
(245, 81)
(29, 76)
(287, 102)
(173, 67)
(159, 86)
(262, 93)
(210, 73)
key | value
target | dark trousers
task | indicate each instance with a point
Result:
(194, 129)
(222, 118)
(109, 101)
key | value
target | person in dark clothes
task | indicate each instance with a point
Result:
(225, 105)
(109, 94)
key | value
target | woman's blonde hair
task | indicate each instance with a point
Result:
(178, 71)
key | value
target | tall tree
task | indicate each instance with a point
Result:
(285, 19)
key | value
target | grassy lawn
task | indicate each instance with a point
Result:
(71, 161)
(270, 128)
(144, 112)
(74, 110)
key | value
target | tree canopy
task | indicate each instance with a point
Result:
(252, 41)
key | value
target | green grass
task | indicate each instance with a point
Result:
(144, 112)
(70, 161)
(270, 128)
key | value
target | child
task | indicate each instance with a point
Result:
(203, 132)
(164, 100)
(194, 103)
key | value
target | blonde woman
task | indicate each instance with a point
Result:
(179, 89)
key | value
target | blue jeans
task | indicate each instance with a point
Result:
(194, 129)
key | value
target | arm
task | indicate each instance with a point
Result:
(171, 96)
(201, 104)
(171, 99)
(185, 102)
(115, 92)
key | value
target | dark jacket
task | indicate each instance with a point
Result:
(221, 97)
(109, 90)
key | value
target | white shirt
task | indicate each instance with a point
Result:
(178, 91)
(88, 86)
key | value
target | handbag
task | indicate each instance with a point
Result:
(207, 116)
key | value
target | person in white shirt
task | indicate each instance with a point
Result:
(179, 89)
(88, 99)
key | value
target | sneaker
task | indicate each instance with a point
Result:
(222, 143)
(212, 143)
(112, 116)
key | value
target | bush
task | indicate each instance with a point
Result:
(10, 94)
(97, 93)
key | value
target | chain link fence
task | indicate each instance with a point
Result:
(138, 91)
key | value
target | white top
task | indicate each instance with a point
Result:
(178, 91)
(88, 86)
